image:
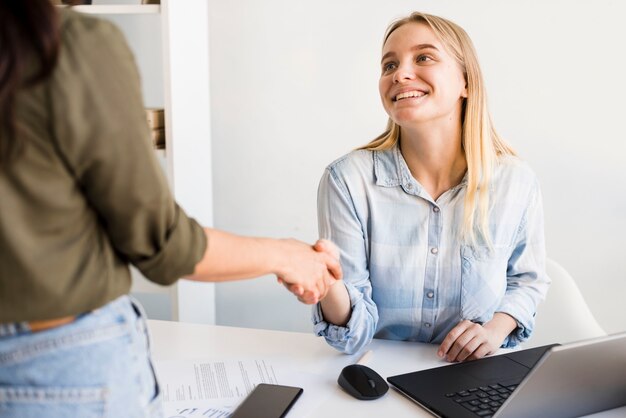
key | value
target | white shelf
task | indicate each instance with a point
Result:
(159, 38)
(160, 153)
(162, 158)
(119, 9)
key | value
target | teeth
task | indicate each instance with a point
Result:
(408, 94)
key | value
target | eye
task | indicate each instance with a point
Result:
(423, 58)
(389, 66)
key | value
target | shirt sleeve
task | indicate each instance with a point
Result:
(527, 281)
(102, 135)
(338, 222)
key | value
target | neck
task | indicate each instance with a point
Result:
(435, 157)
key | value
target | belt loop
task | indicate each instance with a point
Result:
(14, 328)
(139, 310)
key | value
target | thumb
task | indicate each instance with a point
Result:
(327, 246)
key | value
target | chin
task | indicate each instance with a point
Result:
(408, 118)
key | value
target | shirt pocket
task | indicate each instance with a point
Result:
(483, 281)
(52, 402)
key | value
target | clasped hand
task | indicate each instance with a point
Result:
(312, 270)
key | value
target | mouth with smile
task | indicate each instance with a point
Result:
(411, 94)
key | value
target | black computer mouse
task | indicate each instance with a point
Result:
(362, 382)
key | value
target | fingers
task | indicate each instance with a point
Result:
(327, 246)
(452, 336)
(467, 350)
(307, 297)
(322, 288)
(296, 289)
(480, 352)
(310, 295)
(334, 268)
(332, 262)
(464, 342)
(312, 270)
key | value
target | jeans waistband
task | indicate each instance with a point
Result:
(23, 327)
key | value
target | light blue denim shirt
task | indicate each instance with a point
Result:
(408, 275)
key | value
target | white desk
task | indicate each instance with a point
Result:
(179, 341)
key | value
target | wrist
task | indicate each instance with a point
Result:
(335, 306)
(273, 256)
(501, 325)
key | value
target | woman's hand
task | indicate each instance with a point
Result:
(311, 271)
(470, 341)
(307, 270)
(336, 301)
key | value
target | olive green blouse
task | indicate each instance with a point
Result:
(86, 197)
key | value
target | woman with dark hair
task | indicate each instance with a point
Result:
(82, 196)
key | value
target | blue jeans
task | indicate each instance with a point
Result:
(97, 366)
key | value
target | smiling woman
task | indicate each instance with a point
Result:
(411, 72)
(440, 225)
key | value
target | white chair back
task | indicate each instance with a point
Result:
(564, 315)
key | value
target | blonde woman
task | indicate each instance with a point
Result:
(439, 224)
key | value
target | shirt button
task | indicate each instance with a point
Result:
(435, 209)
(430, 294)
(409, 186)
(427, 324)
(434, 250)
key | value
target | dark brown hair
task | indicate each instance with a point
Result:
(29, 30)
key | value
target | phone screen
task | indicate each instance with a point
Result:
(268, 401)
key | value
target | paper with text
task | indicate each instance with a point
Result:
(173, 411)
(226, 381)
(214, 388)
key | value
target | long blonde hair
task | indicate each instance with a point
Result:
(481, 143)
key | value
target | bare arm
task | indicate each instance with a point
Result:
(336, 306)
(233, 257)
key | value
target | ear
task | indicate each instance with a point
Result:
(464, 92)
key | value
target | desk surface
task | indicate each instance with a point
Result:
(311, 354)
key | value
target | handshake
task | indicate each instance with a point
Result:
(309, 271)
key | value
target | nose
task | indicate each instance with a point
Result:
(403, 73)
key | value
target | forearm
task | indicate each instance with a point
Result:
(232, 257)
(335, 306)
(501, 325)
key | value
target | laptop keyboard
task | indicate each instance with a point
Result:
(483, 401)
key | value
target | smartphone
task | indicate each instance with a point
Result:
(268, 401)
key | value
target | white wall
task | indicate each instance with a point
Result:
(294, 86)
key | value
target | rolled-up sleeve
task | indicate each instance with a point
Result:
(340, 223)
(103, 136)
(527, 281)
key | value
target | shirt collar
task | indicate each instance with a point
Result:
(391, 170)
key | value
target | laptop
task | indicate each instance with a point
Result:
(556, 381)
